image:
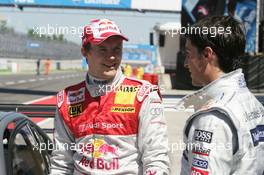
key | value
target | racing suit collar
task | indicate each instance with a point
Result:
(98, 87)
(214, 91)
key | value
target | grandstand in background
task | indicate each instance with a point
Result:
(15, 45)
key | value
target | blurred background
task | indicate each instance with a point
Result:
(34, 31)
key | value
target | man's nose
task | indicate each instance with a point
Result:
(110, 55)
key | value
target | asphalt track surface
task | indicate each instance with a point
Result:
(21, 88)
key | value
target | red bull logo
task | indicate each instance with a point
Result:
(107, 149)
(100, 163)
(100, 155)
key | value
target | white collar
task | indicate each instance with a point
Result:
(221, 88)
(98, 87)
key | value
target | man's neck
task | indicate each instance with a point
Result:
(213, 75)
(98, 87)
(94, 80)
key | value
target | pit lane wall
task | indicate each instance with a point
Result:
(30, 65)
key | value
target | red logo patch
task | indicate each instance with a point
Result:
(149, 172)
(196, 171)
(60, 98)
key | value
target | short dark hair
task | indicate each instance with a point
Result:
(228, 45)
(87, 47)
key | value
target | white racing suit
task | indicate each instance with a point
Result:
(119, 128)
(225, 135)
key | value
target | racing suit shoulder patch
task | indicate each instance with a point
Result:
(60, 98)
(143, 87)
(75, 94)
(143, 91)
(63, 94)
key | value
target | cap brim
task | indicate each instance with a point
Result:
(96, 42)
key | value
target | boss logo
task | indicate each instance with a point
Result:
(200, 163)
(203, 136)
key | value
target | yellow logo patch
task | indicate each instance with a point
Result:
(125, 95)
(123, 109)
(75, 110)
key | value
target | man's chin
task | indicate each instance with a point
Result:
(109, 74)
(195, 84)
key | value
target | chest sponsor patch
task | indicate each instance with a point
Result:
(77, 96)
(196, 171)
(254, 115)
(75, 110)
(123, 109)
(126, 95)
(98, 154)
(200, 163)
(203, 136)
(201, 151)
(257, 134)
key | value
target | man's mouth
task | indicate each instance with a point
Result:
(110, 66)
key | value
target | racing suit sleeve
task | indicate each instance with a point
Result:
(210, 144)
(61, 158)
(153, 137)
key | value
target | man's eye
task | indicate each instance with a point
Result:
(102, 50)
(117, 49)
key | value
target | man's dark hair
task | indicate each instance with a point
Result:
(228, 45)
(87, 47)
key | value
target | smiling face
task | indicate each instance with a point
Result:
(104, 59)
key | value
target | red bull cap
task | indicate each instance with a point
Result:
(99, 30)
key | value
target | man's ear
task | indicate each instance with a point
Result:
(84, 52)
(208, 53)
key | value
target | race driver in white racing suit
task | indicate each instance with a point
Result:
(225, 135)
(110, 124)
